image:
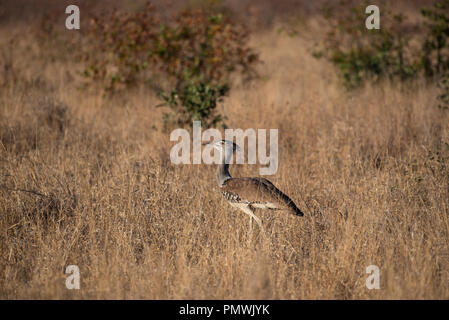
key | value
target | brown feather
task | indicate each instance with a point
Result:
(258, 191)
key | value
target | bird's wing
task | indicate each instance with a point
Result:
(259, 190)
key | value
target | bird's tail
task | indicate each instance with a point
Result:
(293, 209)
(297, 212)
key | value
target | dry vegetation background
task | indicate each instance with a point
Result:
(86, 179)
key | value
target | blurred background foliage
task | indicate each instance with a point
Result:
(189, 53)
(399, 50)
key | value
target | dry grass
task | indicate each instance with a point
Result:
(86, 180)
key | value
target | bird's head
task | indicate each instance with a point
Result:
(225, 148)
(224, 145)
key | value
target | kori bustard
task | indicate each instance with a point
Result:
(248, 194)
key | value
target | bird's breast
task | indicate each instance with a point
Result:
(230, 196)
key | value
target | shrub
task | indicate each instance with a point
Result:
(435, 59)
(120, 47)
(196, 54)
(200, 52)
(196, 101)
(435, 47)
(360, 53)
(443, 97)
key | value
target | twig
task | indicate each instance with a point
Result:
(24, 190)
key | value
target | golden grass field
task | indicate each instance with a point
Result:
(86, 180)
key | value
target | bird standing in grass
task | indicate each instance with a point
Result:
(248, 194)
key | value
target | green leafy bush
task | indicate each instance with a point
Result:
(194, 102)
(200, 51)
(188, 61)
(443, 97)
(435, 59)
(360, 53)
(435, 48)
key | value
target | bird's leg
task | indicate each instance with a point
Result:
(250, 230)
(248, 211)
(252, 216)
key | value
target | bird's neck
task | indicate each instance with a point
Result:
(223, 168)
(223, 173)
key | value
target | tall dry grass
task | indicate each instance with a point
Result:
(87, 180)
